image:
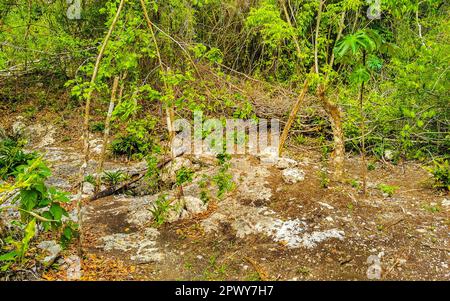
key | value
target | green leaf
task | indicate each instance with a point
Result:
(360, 75)
(57, 211)
(67, 233)
(11, 256)
(28, 199)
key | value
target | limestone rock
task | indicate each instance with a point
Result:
(96, 146)
(293, 175)
(194, 205)
(88, 188)
(142, 246)
(170, 171)
(389, 154)
(269, 155)
(52, 250)
(284, 163)
(19, 126)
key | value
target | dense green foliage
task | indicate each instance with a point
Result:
(211, 56)
(406, 68)
(39, 205)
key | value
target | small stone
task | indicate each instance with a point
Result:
(445, 203)
(88, 188)
(389, 154)
(179, 146)
(73, 267)
(96, 146)
(52, 249)
(18, 127)
(194, 205)
(293, 175)
(284, 163)
(269, 155)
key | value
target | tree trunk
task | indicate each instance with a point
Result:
(170, 111)
(106, 132)
(316, 47)
(363, 134)
(335, 114)
(292, 117)
(86, 126)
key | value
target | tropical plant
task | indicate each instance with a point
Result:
(161, 209)
(183, 175)
(351, 47)
(12, 156)
(441, 174)
(113, 178)
(38, 205)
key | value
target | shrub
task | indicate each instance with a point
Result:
(113, 178)
(12, 156)
(136, 141)
(161, 209)
(97, 127)
(223, 179)
(388, 189)
(441, 174)
(39, 205)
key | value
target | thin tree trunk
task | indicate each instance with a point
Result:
(335, 114)
(316, 47)
(363, 133)
(292, 117)
(86, 125)
(288, 19)
(419, 26)
(170, 111)
(355, 21)
(106, 132)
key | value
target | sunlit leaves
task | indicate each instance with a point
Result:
(354, 43)
(360, 75)
(374, 63)
(267, 20)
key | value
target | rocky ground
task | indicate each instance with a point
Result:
(278, 223)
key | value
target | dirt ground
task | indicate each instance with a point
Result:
(265, 229)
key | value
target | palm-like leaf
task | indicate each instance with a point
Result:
(353, 43)
(360, 75)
